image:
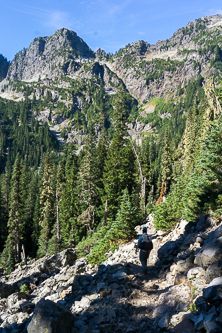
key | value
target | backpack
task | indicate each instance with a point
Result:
(146, 244)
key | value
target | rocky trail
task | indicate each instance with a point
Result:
(181, 292)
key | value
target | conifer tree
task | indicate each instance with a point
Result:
(119, 171)
(68, 200)
(47, 207)
(87, 181)
(15, 223)
(123, 226)
(166, 167)
(100, 157)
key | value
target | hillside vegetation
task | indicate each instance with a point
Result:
(138, 133)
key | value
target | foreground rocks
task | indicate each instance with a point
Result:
(51, 318)
(181, 293)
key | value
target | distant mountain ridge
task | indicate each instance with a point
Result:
(65, 67)
(62, 53)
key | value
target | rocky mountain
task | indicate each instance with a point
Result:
(157, 70)
(64, 294)
(62, 70)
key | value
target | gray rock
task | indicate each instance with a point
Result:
(177, 318)
(202, 224)
(213, 291)
(218, 241)
(184, 326)
(215, 234)
(75, 285)
(80, 265)
(214, 271)
(119, 275)
(187, 241)
(199, 322)
(66, 257)
(208, 255)
(201, 304)
(160, 311)
(195, 273)
(84, 303)
(167, 249)
(14, 298)
(51, 318)
(210, 324)
(5, 290)
(164, 321)
(182, 266)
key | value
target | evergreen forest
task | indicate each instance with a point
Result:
(53, 198)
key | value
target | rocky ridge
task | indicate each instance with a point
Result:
(136, 61)
(63, 66)
(182, 291)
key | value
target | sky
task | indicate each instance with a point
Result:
(108, 24)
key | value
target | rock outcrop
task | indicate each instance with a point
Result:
(63, 67)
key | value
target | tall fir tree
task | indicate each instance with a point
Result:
(15, 222)
(47, 205)
(68, 200)
(87, 182)
(166, 164)
(119, 171)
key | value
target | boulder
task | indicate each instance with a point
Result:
(168, 249)
(215, 234)
(208, 255)
(66, 257)
(6, 290)
(214, 271)
(195, 273)
(177, 318)
(190, 239)
(184, 326)
(80, 265)
(210, 324)
(164, 321)
(14, 298)
(182, 266)
(51, 318)
(84, 303)
(180, 278)
(214, 291)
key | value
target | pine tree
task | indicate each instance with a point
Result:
(68, 200)
(122, 228)
(87, 182)
(25, 183)
(119, 171)
(15, 223)
(47, 208)
(100, 157)
(166, 165)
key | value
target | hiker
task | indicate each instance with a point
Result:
(145, 245)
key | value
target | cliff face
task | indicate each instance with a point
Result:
(48, 57)
(146, 70)
(156, 70)
(64, 67)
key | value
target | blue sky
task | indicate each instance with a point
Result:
(108, 24)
